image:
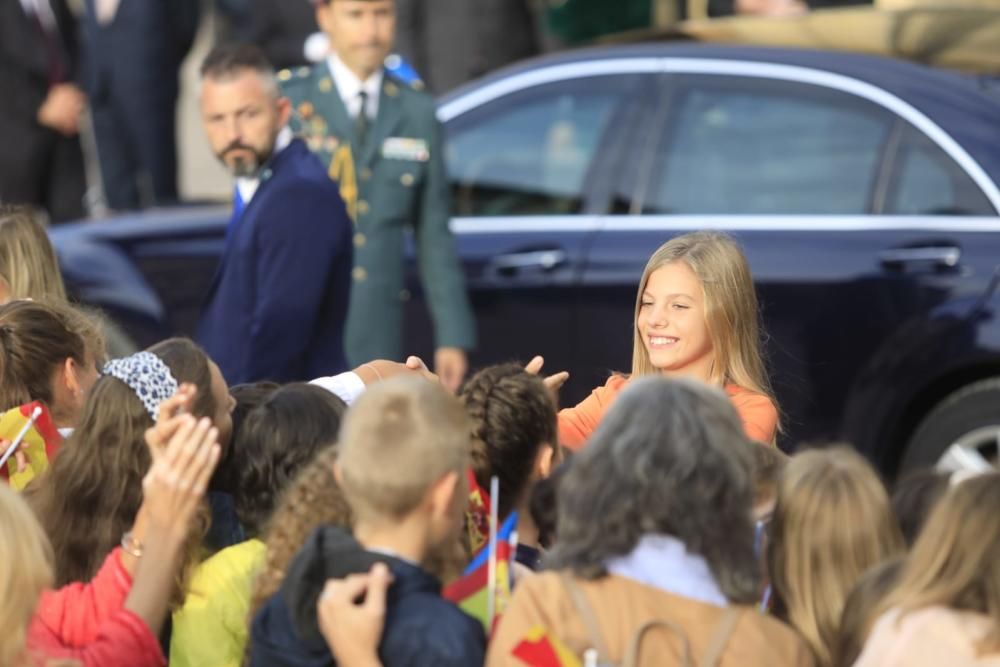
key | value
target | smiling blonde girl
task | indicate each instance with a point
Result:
(696, 316)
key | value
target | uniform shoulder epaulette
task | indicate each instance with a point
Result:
(405, 82)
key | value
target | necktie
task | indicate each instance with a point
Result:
(44, 21)
(361, 121)
(238, 206)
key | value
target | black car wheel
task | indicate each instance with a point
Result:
(968, 418)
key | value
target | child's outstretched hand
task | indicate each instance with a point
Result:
(553, 382)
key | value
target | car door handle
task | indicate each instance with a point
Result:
(544, 260)
(943, 256)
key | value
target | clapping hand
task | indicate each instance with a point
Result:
(166, 425)
(181, 468)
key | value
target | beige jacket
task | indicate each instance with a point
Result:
(932, 637)
(621, 606)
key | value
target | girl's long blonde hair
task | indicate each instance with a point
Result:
(832, 522)
(731, 313)
(27, 261)
(956, 560)
(27, 570)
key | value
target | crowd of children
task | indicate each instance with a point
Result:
(154, 515)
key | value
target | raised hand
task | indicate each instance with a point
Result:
(353, 629)
(553, 382)
(178, 478)
(382, 369)
(168, 419)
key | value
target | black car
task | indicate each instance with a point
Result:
(864, 192)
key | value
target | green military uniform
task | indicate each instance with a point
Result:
(395, 180)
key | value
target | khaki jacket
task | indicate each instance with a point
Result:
(621, 606)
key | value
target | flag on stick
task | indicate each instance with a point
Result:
(40, 438)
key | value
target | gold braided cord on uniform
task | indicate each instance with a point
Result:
(343, 171)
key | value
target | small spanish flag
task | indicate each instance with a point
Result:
(540, 649)
(41, 443)
(477, 516)
(471, 592)
(484, 588)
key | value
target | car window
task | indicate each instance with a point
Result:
(528, 153)
(930, 182)
(737, 145)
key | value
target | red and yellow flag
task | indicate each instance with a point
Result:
(41, 443)
(540, 649)
(477, 516)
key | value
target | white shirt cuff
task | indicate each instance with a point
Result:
(346, 386)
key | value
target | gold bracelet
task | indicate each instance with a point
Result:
(131, 546)
(378, 376)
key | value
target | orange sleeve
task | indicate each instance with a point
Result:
(758, 414)
(578, 423)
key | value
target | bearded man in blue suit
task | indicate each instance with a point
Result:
(277, 305)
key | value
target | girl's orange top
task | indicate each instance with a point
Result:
(757, 412)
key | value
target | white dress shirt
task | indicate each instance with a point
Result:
(248, 186)
(43, 10)
(349, 87)
(347, 386)
(105, 10)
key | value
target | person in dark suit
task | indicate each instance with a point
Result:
(451, 42)
(41, 163)
(277, 307)
(134, 50)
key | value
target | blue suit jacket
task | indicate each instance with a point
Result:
(277, 306)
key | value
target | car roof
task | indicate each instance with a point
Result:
(960, 104)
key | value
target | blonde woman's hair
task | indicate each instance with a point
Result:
(27, 570)
(27, 261)
(832, 522)
(730, 308)
(956, 560)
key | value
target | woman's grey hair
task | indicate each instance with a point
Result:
(669, 458)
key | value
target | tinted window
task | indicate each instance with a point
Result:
(529, 153)
(756, 146)
(929, 182)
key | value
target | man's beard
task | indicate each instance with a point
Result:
(245, 167)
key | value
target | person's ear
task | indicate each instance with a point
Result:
(323, 17)
(4, 291)
(442, 493)
(338, 473)
(70, 377)
(284, 107)
(544, 460)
